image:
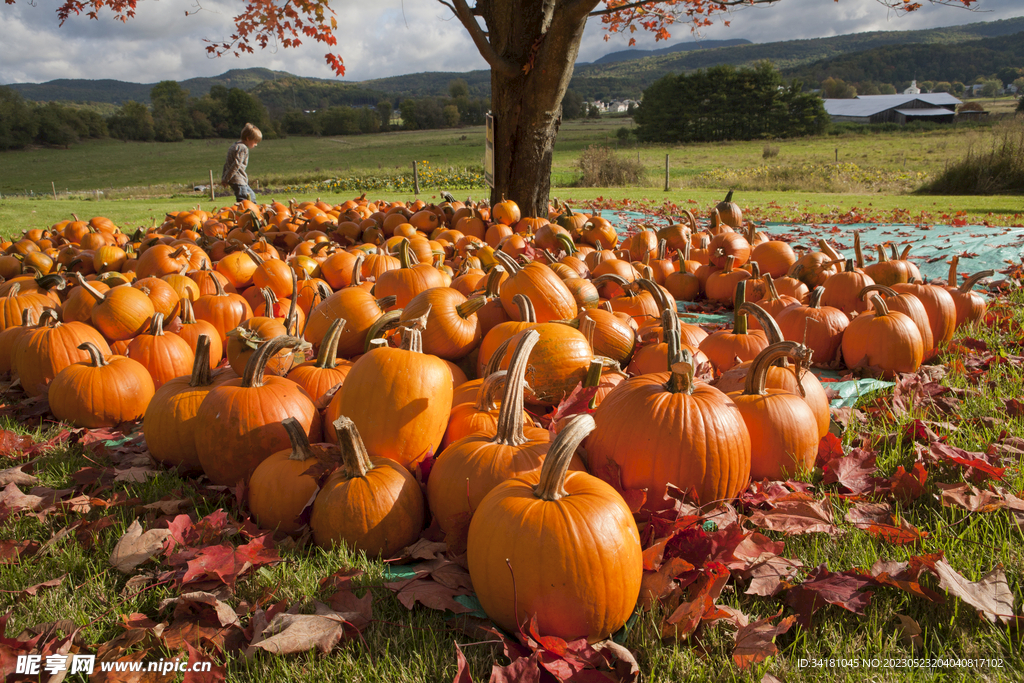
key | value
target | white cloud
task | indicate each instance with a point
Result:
(376, 39)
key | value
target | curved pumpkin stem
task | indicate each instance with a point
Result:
(487, 394)
(95, 293)
(156, 327)
(508, 262)
(588, 326)
(387, 302)
(95, 355)
(327, 358)
(254, 369)
(768, 324)
(354, 458)
(527, 313)
(257, 259)
(565, 242)
(889, 292)
(830, 251)
(739, 318)
(857, 251)
(814, 298)
(559, 456)
(493, 281)
(48, 318)
(388, 321)
(878, 303)
(357, 270)
(758, 373)
(510, 418)
(470, 306)
(969, 283)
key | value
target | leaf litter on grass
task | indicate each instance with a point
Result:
(697, 559)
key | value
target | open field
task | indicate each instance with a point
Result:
(902, 160)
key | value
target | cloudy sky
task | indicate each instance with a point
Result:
(377, 38)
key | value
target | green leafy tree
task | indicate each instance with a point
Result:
(572, 105)
(837, 89)
(886, 89)
(132, 121)
(593, 112)
(451, 116)
(384, 114)
(926, 86)
(991, 88)
(408, 109)
(18, 126)
(243, 108)
(458, 88)
(942, 86)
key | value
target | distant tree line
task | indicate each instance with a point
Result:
(25, 123)
(174, 115)
(726, 103)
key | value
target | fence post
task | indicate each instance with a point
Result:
(666, 173)
(212, 196)
(54, 188)
(837, 155)
(415, 179)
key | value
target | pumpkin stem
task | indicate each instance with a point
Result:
(201, 375)
(758, 373)
(327, 357)
(297, 435)
(892, 250)
(188, 315)
(559, 456)
(354, 458)
(269, 300)
(830, 251)
(587, 326)
(527, 313)
(357, 270)
(906, 252)
(487, 394)
(887, 291)
(508, 262)
(969, 283)
(470, 306)
(254, 369)
(565, 242)
(218, 285)
(953, 263)
(291, 321)
(510, 418)
(412, 332)
(857, 251)
(814, 298)
(387, 301)
(156, 327)
(257, 259)
(493, 280)
(879, 305)
(96, 294)
(593, 378)
(405, 254)
(95, 355)
(768, 324)
(388, 321)
(739, 324)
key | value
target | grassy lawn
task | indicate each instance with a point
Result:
(416, 646)
(140, 169)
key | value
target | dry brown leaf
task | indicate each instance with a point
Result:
(291, 633)
(135, 547)
(14, 475)
(991, 595)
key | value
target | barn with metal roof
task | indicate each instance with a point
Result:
(938, 107)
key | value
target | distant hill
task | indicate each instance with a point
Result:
(619, 74)
(629, 79)
(627, 55)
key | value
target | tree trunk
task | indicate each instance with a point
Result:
(540, 40)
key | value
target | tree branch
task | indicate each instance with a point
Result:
(465, 15)
(644, 3)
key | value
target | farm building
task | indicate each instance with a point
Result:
(937, 107)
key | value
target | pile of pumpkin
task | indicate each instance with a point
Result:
(454, 330)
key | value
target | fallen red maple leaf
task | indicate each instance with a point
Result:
(756, 642)
(845, 589)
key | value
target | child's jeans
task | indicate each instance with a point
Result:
(243, 192)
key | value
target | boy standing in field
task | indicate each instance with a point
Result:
(238, 158)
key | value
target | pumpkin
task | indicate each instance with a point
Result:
(13, 306)
(100, 392)
(222, 309)
(721, 285)
(165, 356)
(452, 328)
(842, 290)
(470, 467)
(498, 336)
(10, 339)
(399, 399)
(667, 428)
(551, 299)
(561, 547)
(772, 302)
(373, 505)
(322, 376)
(941, 310)
(558, 363)
(818, 327)
(774, 257)
(728, 244)
(360, 310)
(970, 305)
(729, 211)
(410, 279)
(609, 335)
(480, 414)
(239, 421)
(726, 348)
(882, 342)
(192, 329)
(170, 420)
(50, 347)
(783, 429)
(909, 305)
(282, 485)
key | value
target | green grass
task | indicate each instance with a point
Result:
(142, 169)
(418, 646)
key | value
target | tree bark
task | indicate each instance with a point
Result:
(535, 44)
